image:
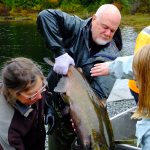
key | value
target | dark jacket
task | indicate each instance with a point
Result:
(65, 33)
(21, 130)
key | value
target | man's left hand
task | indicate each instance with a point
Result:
(62, 64)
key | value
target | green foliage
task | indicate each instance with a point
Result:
(45, 4)
(24, 4)
(71, 6)
(106, 1)
(78, 6)
(145, 6)
(138, 21)
(8, 3)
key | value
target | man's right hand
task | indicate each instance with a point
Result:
(62, 63)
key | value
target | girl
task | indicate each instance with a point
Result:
(141, 69)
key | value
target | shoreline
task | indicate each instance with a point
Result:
(138, 21)
(19, 17)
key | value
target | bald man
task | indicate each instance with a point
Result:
(82, 43)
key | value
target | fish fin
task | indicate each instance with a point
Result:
(48, 61)
(62, 85)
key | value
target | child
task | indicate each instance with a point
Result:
(141, 69)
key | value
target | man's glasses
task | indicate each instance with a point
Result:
(33, 97)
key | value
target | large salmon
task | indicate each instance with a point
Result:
(88, 113)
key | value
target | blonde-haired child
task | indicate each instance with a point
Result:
(141, 69)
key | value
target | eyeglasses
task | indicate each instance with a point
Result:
(33, 97)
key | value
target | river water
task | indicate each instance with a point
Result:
(22, 39)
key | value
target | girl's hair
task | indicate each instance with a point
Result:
(141, 68)
(19, 74)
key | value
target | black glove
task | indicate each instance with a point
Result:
(50, 120)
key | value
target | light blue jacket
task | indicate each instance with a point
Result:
(121, 68)
(143, 134)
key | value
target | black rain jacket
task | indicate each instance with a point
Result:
(67, 33)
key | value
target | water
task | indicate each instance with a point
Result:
(22, 39)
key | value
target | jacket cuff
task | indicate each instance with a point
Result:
(59, 52)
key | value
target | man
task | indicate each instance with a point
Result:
(82, 43)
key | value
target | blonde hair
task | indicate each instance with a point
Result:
(141, 68)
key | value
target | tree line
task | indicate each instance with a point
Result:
(126, 6)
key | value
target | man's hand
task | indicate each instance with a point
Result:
(100, 69)
(62, 64)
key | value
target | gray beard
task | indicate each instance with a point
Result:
(101, 42)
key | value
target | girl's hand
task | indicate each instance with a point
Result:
(100, 69)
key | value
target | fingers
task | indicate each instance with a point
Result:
(61, 68)
(62, 64)
(100, 69)
(96, 70)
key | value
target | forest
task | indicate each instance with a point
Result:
(9, 7)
